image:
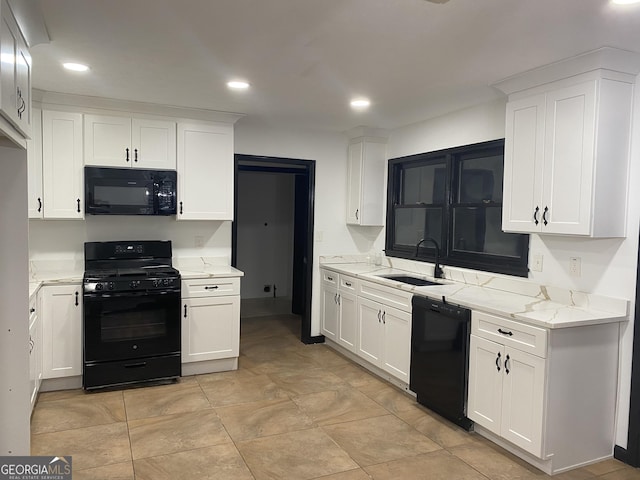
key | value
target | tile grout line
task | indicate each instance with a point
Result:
(233, 442)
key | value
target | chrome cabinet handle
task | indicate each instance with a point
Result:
(506, 365)
(77, 299)
(78, 200)
(135, 153)
(498, 361)
(544, 216)
(180, 208)
(185, 310)
(127, 150)
(535, 215)
(39, 204)
(211, 288)
(505, 332)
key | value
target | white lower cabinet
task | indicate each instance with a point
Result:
(338, 309)
(384, 337)
(211, 319)
(61, 330)
(35, 351)
(506, 392)
(540, 392)
(368, 319)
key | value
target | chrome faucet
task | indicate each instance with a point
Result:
(437, 270)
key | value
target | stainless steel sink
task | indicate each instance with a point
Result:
(419, 282)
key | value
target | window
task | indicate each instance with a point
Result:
(454, 197)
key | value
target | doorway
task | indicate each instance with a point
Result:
(272, 234)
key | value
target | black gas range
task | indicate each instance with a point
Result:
(131, 326)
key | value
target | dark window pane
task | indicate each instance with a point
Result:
(480, 179)
(423, 184)
(479, 230)
(413, 224)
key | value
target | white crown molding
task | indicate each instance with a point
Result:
(623, 64)
(87, 104)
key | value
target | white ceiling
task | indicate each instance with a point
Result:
(306, 59)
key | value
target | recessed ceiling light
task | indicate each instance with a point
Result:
(624, 2)
(360, 103)
(238, 85)
(76, 67)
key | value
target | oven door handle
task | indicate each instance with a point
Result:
(131, 294)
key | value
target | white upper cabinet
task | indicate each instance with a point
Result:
(15, 73)
(205, 171)
(567, 156)
(112, 141)
(34, 166)
(62, 164)
(365, 181)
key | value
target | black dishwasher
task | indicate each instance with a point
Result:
(440, 357)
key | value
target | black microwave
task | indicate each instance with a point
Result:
(129, 191)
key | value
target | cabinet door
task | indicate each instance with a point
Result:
(569, 159)
(107, 141)
(34, 342)
(61, 335)
(205, 171)
(210, 328)
(329, 312)
(396, 342)
(354, 179)
(369, 345)
(523, 165)
(522, 400)
(23, 86)
(486, 365)
(154, 144)
(8, 42)
(34, 166)
(348, 321)
(62, 164)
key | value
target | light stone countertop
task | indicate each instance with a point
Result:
(540, 309)
(52, 272)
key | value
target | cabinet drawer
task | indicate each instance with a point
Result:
(393, 297)
(348, 284)
(330, 278)
(210, 287)
(526, 338)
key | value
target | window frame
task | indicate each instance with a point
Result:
(516, 266)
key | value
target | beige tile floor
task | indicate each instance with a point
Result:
(291, 411)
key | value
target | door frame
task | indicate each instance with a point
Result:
(306, 168)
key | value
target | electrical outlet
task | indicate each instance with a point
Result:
(536, 265)
(198, 240)
(575, 266)
(318, 236)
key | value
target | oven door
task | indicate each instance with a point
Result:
(129, 325)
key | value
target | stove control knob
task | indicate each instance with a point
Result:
(134, 283)
(111, 285)
(166, 282)
(157, 282)
(99, 286)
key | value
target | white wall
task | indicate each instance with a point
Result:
(608, 265)
(265, 233)
(64, 239)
